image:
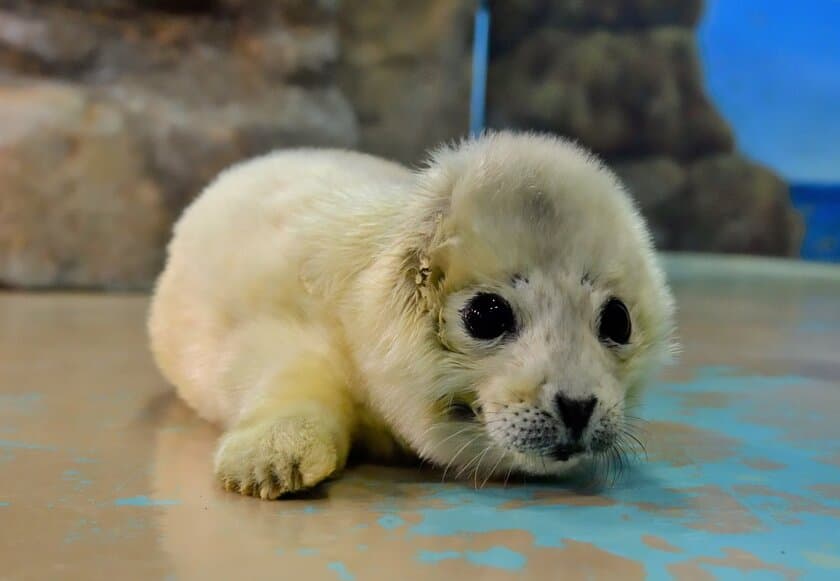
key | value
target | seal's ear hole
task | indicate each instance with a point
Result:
(435, 277)
(423, 272)
(423, 279)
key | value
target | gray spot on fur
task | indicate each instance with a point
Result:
(538, 208)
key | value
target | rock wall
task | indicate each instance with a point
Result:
(114, 113)
(121, 110)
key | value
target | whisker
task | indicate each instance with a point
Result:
(435, 425)
(424, 451)
(467, 465)
(619, 465)
(507, 476)
(455, 457)
(478, 466)
(450, 436)
(599, 475)
(544, 467)
(622, 459)
(493, 469)
(636, 422)
(637, 442)
(606, 463)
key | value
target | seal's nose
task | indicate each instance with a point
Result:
(575, 413)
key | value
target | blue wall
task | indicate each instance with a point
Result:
(773, 69)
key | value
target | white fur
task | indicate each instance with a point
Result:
(311, 302)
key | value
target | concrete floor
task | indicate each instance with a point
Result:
(105, 475)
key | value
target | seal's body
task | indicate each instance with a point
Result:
(490, 312)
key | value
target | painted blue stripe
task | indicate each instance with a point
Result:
(819, 205)
(481, 50)
(815, 193)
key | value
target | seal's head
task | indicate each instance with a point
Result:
(530, 309)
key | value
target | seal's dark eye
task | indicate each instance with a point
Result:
(615, 324)
(488, 316)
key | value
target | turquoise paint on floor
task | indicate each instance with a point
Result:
(495, 557)
(434, 557)
(24, 445)
(498, 557)
(390, 522)
(144, 501)
(23, 404)
(341, 569)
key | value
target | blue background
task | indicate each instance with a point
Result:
(773, 69)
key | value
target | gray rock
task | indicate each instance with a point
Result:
(172, 95)
(91, 180)
(720, 203)
(733, 205)
(405, 69)
(45, 41)
(187, 141)
(516, 20)
(658, 186)
(77, 207)
(620, 94)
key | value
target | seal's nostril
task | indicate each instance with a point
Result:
(575, 413)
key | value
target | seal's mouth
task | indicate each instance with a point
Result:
(563, 452)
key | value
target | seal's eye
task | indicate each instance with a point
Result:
(615, 326)
(488, 316)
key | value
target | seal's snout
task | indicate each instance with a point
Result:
(575, 414)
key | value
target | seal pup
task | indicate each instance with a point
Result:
(491, 312)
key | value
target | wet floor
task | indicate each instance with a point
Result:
(104, 474)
